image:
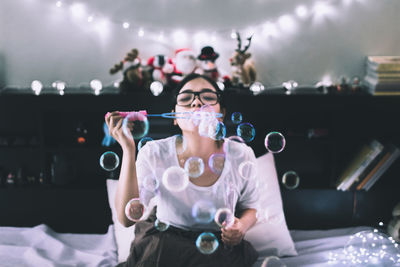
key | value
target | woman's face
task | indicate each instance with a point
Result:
(195, 85)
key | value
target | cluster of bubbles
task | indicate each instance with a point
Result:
(368, 248)
(176, 179)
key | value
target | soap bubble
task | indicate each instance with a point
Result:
(236, 117)
(272, 261)
(224, 217)
(180, 144)
(216, 163)
(143, 141)
(246, 131)
(194, 166)
(109, 161)
(175, 179)
(161, 226)
(247, 169)
(135, 125)
(207, 243)
(134, 210)
(151, 183)
(275, 142)
(217, 130)
(203, 211)
(232, 148)
(290, 180)
(156, 88)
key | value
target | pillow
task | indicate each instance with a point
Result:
(123, 235)
(270, 235)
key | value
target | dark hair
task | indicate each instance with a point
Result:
(193, 76)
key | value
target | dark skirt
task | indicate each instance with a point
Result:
(177, 248)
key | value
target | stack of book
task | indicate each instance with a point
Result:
(369, 164)
(383, 75)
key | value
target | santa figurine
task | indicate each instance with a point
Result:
(160, 67)
(184, 63)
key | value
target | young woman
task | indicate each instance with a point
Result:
(226, 188)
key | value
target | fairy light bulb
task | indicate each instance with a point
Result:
(36, 87)
(60, 86)
(96, 85)
(301, 11)
(125, 25)
(141, 32)
(58, 4)
(233, 34)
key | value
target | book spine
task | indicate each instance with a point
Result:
(382, 170)
(365, 152)
(373, 171)
(377, 149)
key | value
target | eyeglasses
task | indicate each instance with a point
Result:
(206, 97)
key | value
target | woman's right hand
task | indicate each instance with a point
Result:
(114, 123)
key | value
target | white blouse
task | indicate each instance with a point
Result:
(231, 190)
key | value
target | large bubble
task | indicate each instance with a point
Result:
(175, 179)
(109, 161)
(247, 170)
(207, 243)
(224, 217)
(246, 131)
(290, 180)
(232, 148)
(161, 226)
(216, 163)
(134, 210)
(135, 125)
(194, 166)
(236, 117)
(272, 261)
(143, 141)
(217, 130)
(180, 144)
(151, 183)
(275, 142)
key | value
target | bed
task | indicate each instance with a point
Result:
(41, 246)
(77, 227)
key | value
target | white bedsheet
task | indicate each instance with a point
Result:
(41, 246)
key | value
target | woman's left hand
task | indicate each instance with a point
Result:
(234, 234)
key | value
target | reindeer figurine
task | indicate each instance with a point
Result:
(243, 69)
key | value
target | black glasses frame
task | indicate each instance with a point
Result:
(198, 96)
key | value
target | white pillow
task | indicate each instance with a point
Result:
(270, 235)
(123, 235)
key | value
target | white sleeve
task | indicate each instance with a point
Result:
(249, 194)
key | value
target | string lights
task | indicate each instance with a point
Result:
(282, 25)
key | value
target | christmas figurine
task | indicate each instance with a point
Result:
(208, 66)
